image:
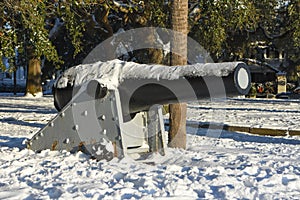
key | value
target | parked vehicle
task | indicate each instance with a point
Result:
(295, 94)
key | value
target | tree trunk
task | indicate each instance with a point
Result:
(34, 82)
(15, 81)
(177, 132)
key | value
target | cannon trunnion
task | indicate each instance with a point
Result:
(114, 108)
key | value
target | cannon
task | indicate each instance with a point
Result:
(114, 108)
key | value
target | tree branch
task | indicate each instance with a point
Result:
(270, 36)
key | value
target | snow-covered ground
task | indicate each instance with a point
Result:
(231, 166)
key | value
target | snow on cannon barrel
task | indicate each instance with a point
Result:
(146, 85)
(113, 108)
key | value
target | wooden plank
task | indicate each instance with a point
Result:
(268, 131)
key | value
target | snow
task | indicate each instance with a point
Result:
(113, 72)
(233, 166)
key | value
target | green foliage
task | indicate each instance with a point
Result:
(219, 19)
(8, 41)
(8, 34)
(225, 28)
(69, 13)
(228, 28)
(33, 18)
(24, 31)
(158, 13)
(294, 12)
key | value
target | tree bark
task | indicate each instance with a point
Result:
(179, 14)
(15, 81)
(34, 82)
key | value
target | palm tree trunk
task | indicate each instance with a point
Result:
(177, 132)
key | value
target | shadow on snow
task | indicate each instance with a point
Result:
(11, 142)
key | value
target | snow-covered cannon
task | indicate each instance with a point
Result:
(114, 108)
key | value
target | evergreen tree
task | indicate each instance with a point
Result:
(23, 32)
(66, 31)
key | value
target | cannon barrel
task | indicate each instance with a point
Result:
(141, 86)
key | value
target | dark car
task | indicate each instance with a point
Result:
(295, 94)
